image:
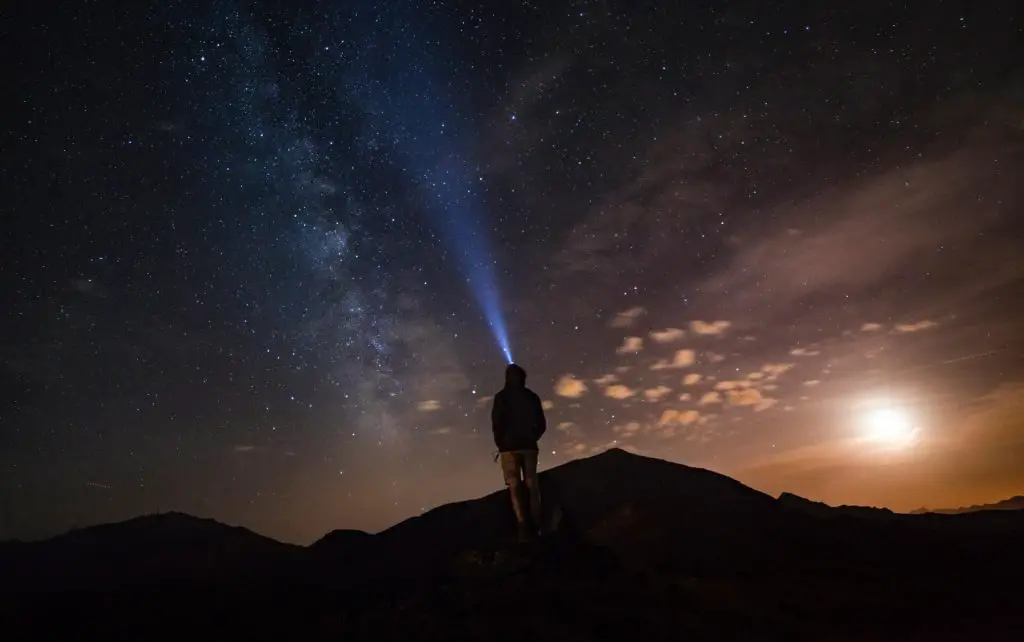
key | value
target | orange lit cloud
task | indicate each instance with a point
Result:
(667, 335)
(630, 345)
(570, 386)
(709, 328)
(429, 405)
(904, 328)
(656, 393)
(619, 391)
(626, 318)
(682, 359)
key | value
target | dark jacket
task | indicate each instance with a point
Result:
(517, 416)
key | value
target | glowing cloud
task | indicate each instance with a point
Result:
(750, 397)
(709, 398)
(691, 379)
(619, 391)
(668, 335)
(773, 371)
(803, 352)
(904, 328)
(569, 386)
(628, 429)
(681, 417)
(656, 393)
(733, 385)
(630, 345)
(428, 405)
(682, 359)
(710, 328)
(626, 318)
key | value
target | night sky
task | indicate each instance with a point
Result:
(259, 259)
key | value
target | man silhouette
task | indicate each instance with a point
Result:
(517, 420)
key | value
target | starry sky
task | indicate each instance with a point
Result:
(259, 257)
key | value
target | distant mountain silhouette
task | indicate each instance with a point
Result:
(825, 510)
(146, 551)
(1013, 503)
(641, 547)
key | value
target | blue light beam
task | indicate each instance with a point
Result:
(411, 99)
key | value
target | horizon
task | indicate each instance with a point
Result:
(173, 511)
(269, 264)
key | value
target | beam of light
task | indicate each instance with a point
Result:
(411, 100)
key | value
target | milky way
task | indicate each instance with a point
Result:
(262, 261)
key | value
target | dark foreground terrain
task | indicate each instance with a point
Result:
(643, 549)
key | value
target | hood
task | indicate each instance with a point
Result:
(515, 376)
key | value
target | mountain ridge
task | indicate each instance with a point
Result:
(1011, 503)
(608, 460)
(648, 546)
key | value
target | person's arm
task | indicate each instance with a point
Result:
(496, 420)
(541, 421)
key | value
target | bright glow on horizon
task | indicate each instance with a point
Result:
(890, 427)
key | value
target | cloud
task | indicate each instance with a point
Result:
(656, 393)
(681, 417)
(443, 430)
(547, 404)
(605, 380)
(682, 359)
(630, 345)
(428, 405)
(668, 335)
(627, 429)
(714, 357)
(691, 379)
(733, 385)
(565, 426)
(904, 328)
(871, 327)
(709, 329)
(812, 382)
(917, 221)
(750, 397)
(244, 448)
(569, 386)
(575, 448)
(626, 318)
(685, 396)
(709, 398)
(804, 352)
(773, 371)
(619, 391)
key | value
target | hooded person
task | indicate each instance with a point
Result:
(518, 422)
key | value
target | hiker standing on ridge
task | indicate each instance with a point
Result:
(517, 420)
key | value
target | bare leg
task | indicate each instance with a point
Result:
(533, 486)
(510, 469)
